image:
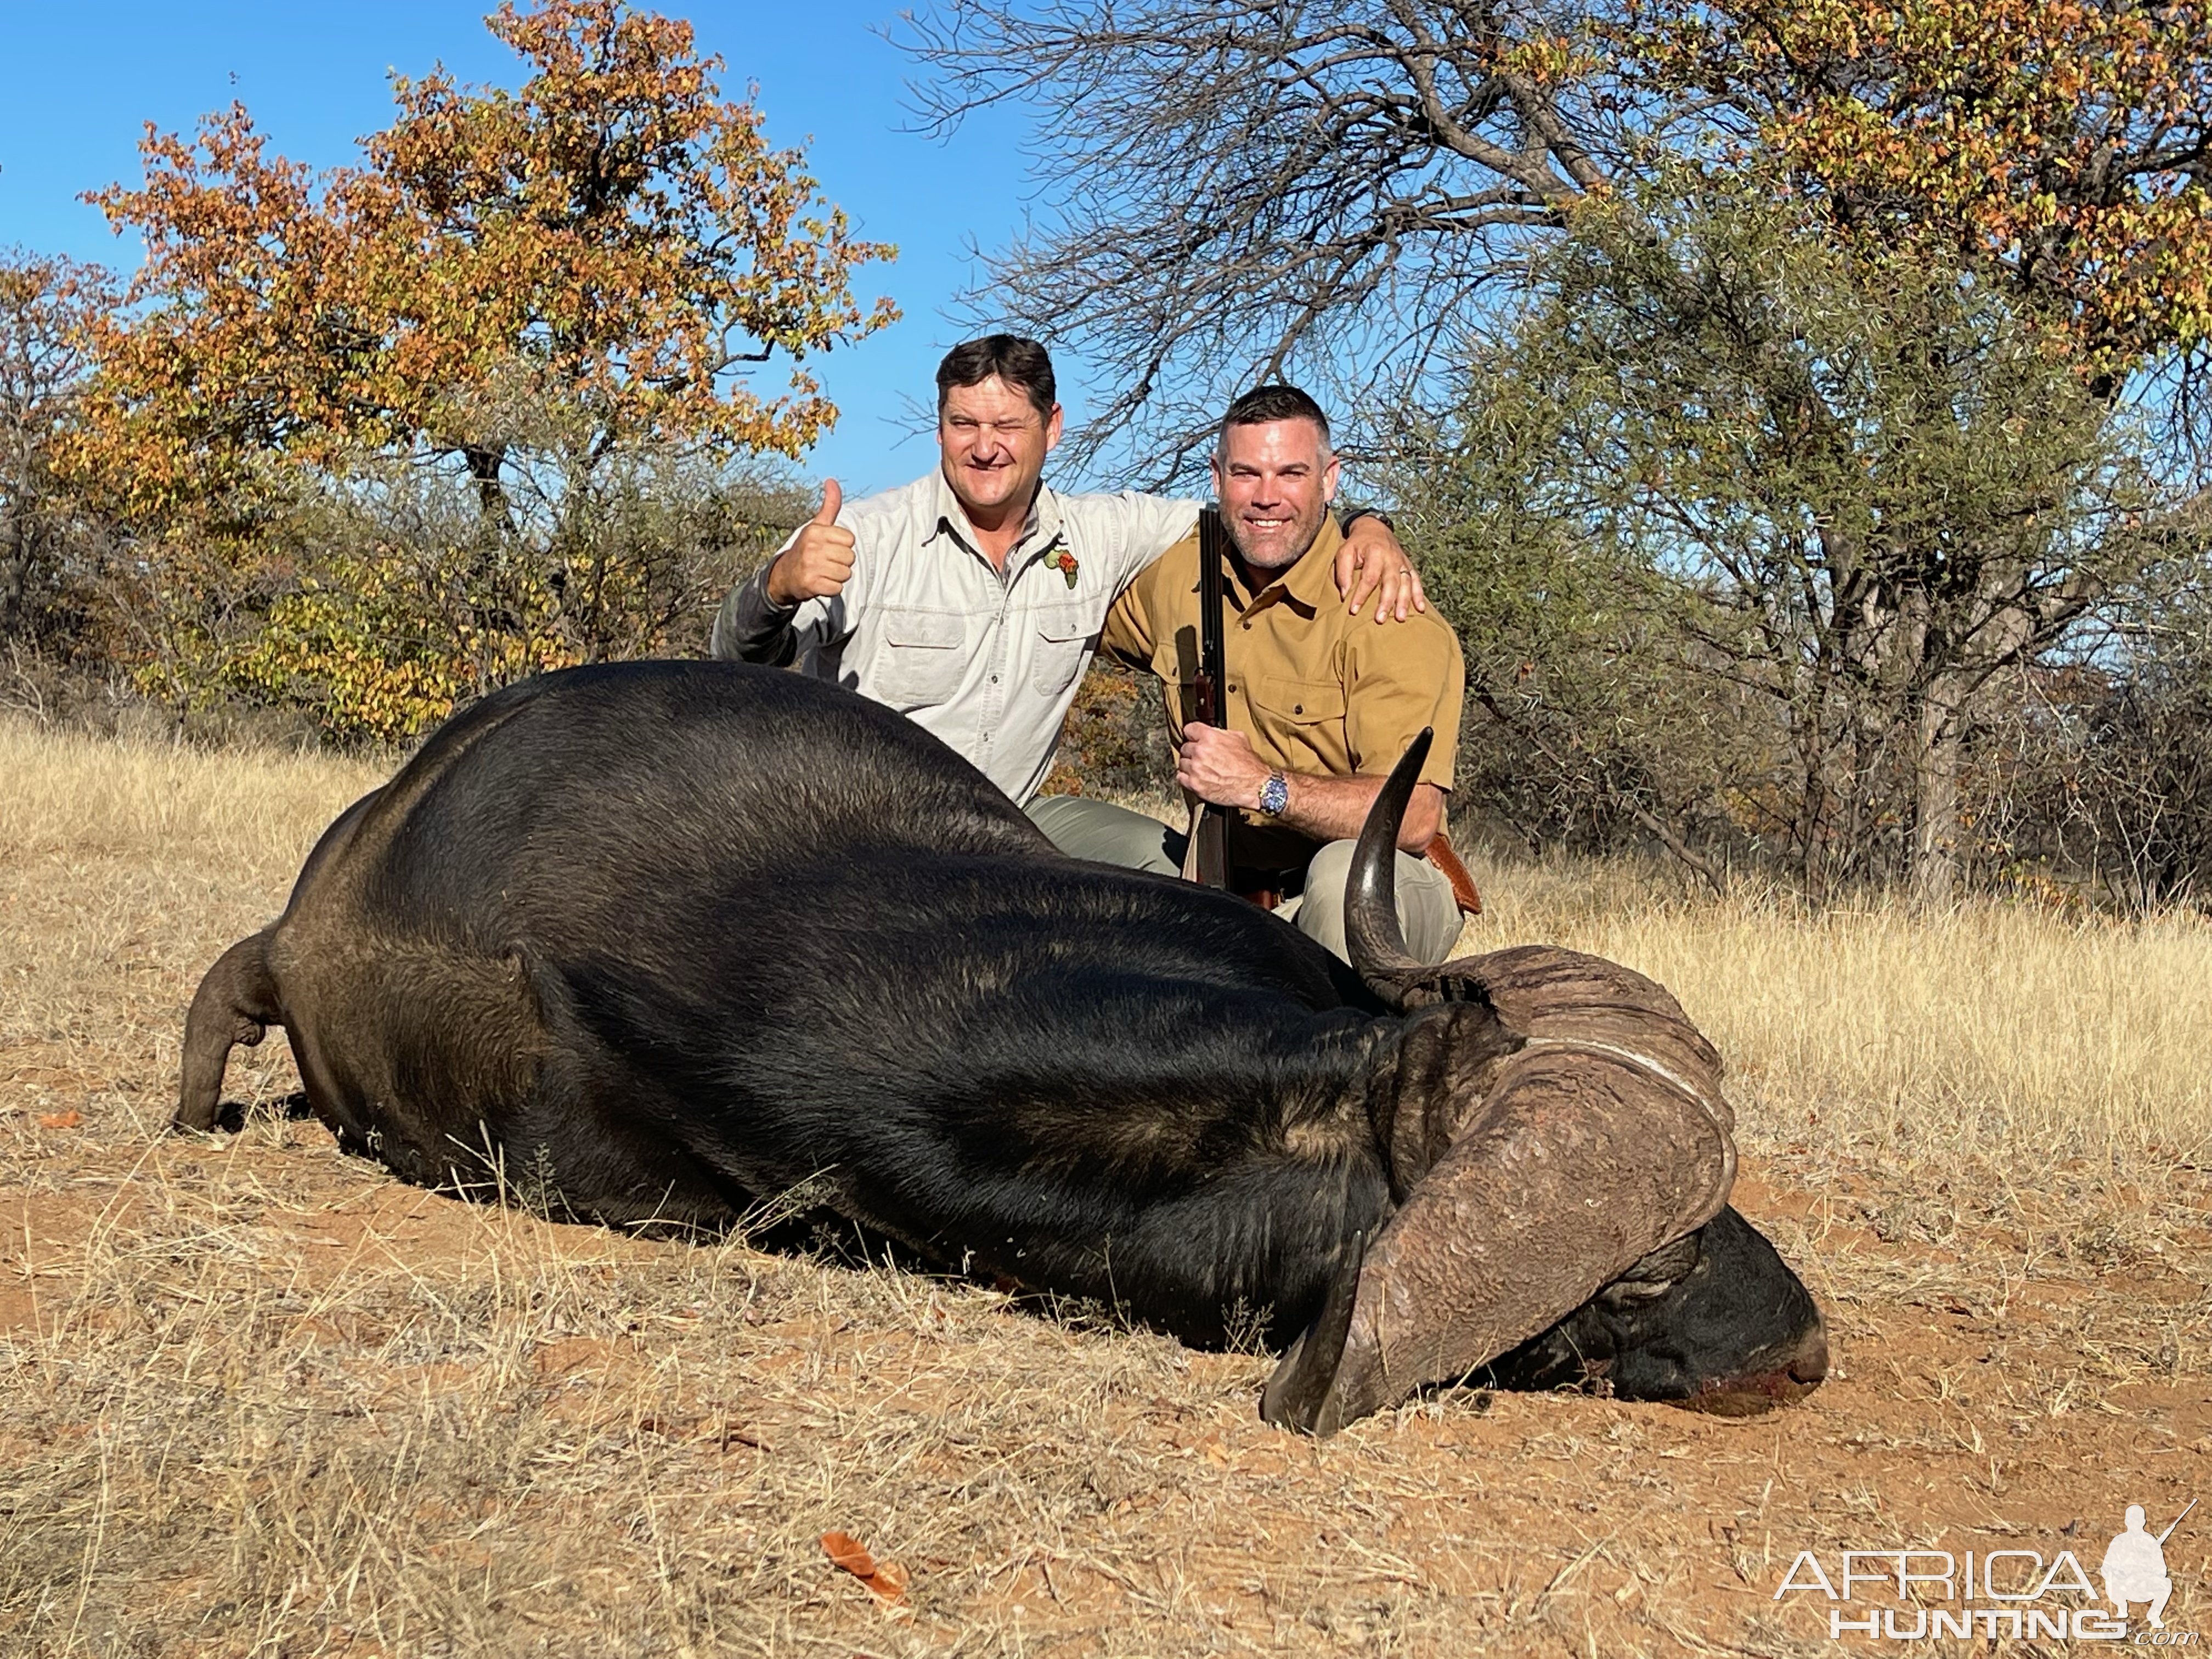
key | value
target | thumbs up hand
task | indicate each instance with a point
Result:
(819, 562)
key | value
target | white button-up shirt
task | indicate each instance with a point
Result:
(986, 660)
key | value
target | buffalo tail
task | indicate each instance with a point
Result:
(236, 1003)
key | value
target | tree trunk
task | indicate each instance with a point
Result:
(1935, 796)
(483, 466)
(16, 553)
(1681, 849)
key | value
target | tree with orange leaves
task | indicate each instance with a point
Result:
(2065, 145)
(531, 288)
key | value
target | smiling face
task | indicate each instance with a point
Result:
(1276, 479)
(993, 442)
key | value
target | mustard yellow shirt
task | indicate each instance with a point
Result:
(1315, 689)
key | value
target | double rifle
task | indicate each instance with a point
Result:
(1206, 862)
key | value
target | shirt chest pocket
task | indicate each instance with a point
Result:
(920, 662)
(1303, 720)
(1063, 641)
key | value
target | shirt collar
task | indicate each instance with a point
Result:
(1311, 582)
(1039, 530)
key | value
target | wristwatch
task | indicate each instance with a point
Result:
(1274, 795)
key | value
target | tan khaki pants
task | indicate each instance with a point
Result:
(1107, 834)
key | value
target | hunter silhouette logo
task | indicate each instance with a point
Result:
(2134, 1566)
(1918, 1595)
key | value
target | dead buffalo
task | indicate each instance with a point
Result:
(675, 937)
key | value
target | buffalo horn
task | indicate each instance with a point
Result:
(1372, 932)
(1300, 1387)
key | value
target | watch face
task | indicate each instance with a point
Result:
(1274, 795)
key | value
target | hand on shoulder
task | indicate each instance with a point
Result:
(1371, 562)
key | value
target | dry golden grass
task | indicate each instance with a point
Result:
(121, 861)
(1994, 1030)
(257, 1399)
(71, 794)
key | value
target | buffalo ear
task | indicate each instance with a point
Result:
(1448, 1057)
(1297, 1393)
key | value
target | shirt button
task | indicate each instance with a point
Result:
(1297, 708)
(1247, 627)
(994, 679)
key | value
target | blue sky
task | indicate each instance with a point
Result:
(77, 83)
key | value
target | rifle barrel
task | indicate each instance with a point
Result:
(1211, 647)
(2178, 1520)
(1209, 849)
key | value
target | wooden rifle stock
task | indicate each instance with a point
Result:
(1206, 862)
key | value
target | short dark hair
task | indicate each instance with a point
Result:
(1022, 364)
(1263, 405)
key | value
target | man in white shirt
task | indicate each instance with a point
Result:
(971, 600)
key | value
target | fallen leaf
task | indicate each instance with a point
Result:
(847, 1552)
(60, 1120)
(886, 1579)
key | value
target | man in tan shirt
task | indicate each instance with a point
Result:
(1318, 708)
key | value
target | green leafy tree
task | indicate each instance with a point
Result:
(48, 539)
(1836, 491)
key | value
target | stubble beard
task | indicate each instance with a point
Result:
(1304, 535)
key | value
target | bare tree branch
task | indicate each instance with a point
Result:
(1234, 190)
